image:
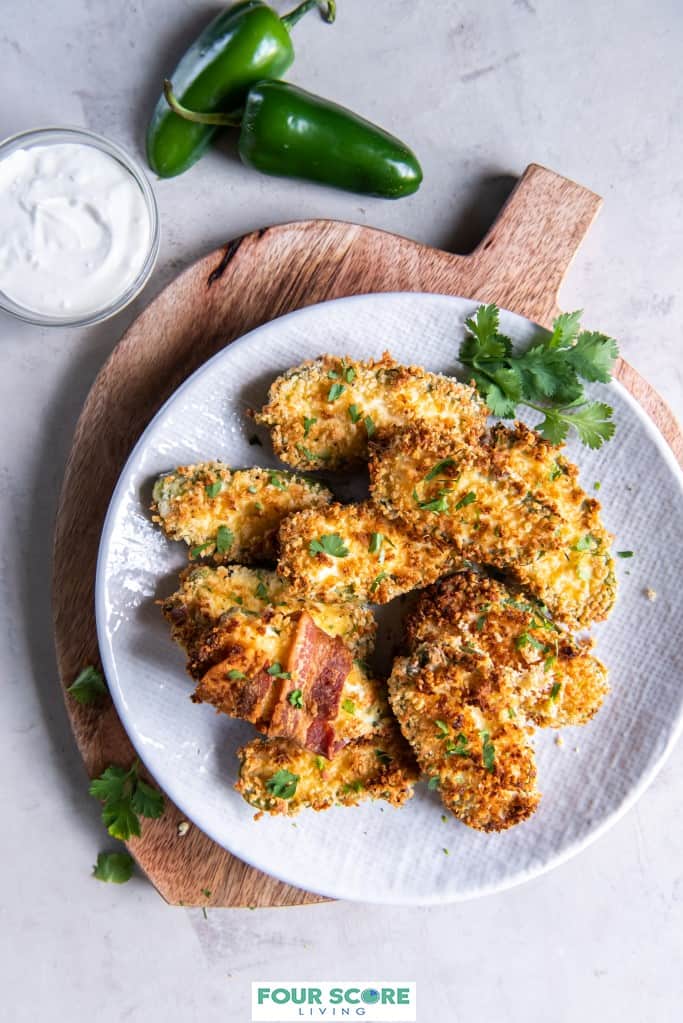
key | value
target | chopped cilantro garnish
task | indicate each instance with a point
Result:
(308, 423)
(336, 391)
(625, 554)
(555, 691)
(328, 543)
(437, 469)
(586, 543)
(349, 706)
(443, 729)
(349, 374)
(296, 698)
(488, 751)
(433, 782)
(354, 414)
(320, 763)
(459, 747)
(512, 713)
(549, 661)
(437, 504)
(332, 374)
(224, 539)
(376, 541)
(469, 498)
(196, 551)
(597, 485)
(353, 786)
(277, 480)
(214, 489)
(276, 671)
(262, 590)
(234, 675)
(377, 580)
(283, 784)
(369, 426)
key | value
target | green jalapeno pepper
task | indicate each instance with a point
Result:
(289, 132)
(244, 44)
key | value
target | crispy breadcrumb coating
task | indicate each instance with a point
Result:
(485, 665)
(460, 495)
(231, 515)
(376, 561)
(321, 413)
(560, 681)
(575, 579)
(453, 710)
(234, 596)
(376, 766)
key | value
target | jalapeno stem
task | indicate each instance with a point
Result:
(232, 119)
(327, 8)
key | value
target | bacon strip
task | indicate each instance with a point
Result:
(319, 665)
(251, 699)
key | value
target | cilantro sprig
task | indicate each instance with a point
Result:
(547, 377)
(125, 798)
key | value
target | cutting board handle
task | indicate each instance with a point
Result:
(521, 262)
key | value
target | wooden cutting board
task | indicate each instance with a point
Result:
(519, 265)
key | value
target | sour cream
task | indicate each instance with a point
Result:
(75, 229)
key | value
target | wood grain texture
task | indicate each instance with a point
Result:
(519, 265)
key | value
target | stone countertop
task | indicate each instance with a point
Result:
(480, 90)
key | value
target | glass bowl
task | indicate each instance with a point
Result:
(79, 136)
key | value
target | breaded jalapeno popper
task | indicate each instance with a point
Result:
(460, 495)
(235, 595)
(561, 682)
(231, 515)
(575, 579)
(322, 413)
(290, 678)
(353, 552)
(277, 776)
(484, 666)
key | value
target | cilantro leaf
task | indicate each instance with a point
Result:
(276, 671)
(328, 543)
(214, 489)
(593, 356)
(120, 820)
(224, 539)
(376, 541)
(147, 801)
(369, 424)
(336, 391)
(437, 469)
(488, 752)
(296, 699)
(308, 423)
(283, 784)
(565, 328)
(126, 798)
(89, 686)
(115, 867)
(354, 414)
(593, 423)
(546, 377)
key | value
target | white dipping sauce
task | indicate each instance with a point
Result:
(74, 229)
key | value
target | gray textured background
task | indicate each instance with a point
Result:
(593, 90)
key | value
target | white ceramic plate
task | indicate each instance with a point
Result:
(375, 853)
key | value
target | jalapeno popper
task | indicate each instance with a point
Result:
(323, 413)
(209, 595)
(353, 552)
(231, 515)
(278, 777)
